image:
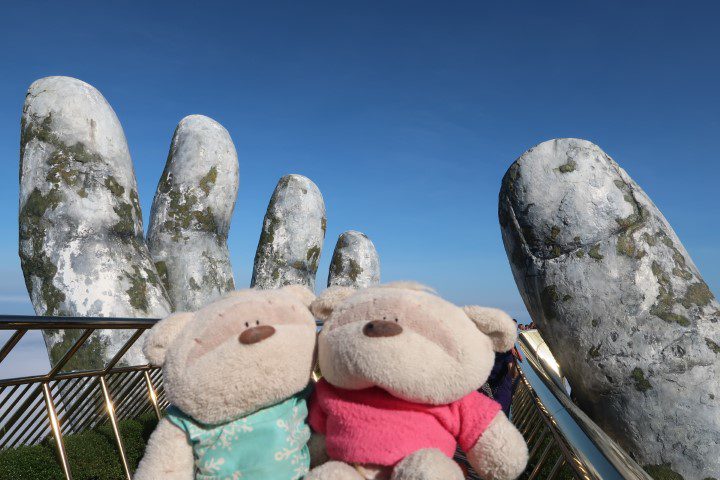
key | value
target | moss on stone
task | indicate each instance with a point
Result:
(595, 322)
(336, 263)
(684, 274)
(580, 253)
(313, 256)
(554, 232)
(215, 275)
(137, 293)
(712, 345)
(183, 214)
(207, 182)
(115, 188)
(512, 175)
(193, 284)
(89, 356)
(63, 159)
(354, 269)
(528, 234)
(34, 260)
(594, 351)
(670, 317)
(162, 270)
(626, 244)
(698, 294)
(641, 383)
(662, 472)
(568, 167)
(135, 200)
(649, 239)
(595, 254)
(665, 302)
(205, 220)
(548, 300)
(267, 235)
(125, 226)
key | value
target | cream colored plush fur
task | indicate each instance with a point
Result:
(334, 471)
(427, 464)
(501, 452)
(213, 377)
(496, 324)
(443, 354)
(168, 455)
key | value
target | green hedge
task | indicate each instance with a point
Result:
(93, 454)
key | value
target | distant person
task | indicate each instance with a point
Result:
(504, 377)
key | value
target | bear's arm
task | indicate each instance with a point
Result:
(317, 419)
(168, 455)
(501, 452)
(316, 415)
(318, 452)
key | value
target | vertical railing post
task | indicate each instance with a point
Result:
(152, 394)
(116, 431)
(57, 433)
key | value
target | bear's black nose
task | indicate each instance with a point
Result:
(382, 328)
(256, 334)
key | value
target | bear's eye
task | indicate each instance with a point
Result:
(384, 318)
(247, 324)
(396, 319)
(257, 322)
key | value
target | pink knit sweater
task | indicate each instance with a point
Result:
(371, 426)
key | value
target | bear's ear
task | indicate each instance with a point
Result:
(494, 323)
(325, 304)
(301, 292)
(162, 335)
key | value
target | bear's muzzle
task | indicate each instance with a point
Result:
(382, 328)
(256, 334)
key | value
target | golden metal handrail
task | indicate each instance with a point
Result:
(542, 409)
(59, 403)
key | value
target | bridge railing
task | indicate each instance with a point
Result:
(563, 441)
(60, 403)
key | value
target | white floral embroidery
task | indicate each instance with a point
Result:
(213, 464)
(222, 452)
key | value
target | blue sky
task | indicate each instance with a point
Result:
(405, 114)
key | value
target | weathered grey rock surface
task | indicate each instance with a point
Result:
(292, 235)
(81, 237)
(620, 303)
(191, 214)
(355, 262)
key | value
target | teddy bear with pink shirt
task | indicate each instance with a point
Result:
(401, 368)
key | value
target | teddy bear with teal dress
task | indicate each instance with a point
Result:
(236, 374)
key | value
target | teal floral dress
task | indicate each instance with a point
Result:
(270, 444)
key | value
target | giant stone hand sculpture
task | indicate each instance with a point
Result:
(191, 214)
(620, 303)
(81, 237)
(355, 262)
(292, 235)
